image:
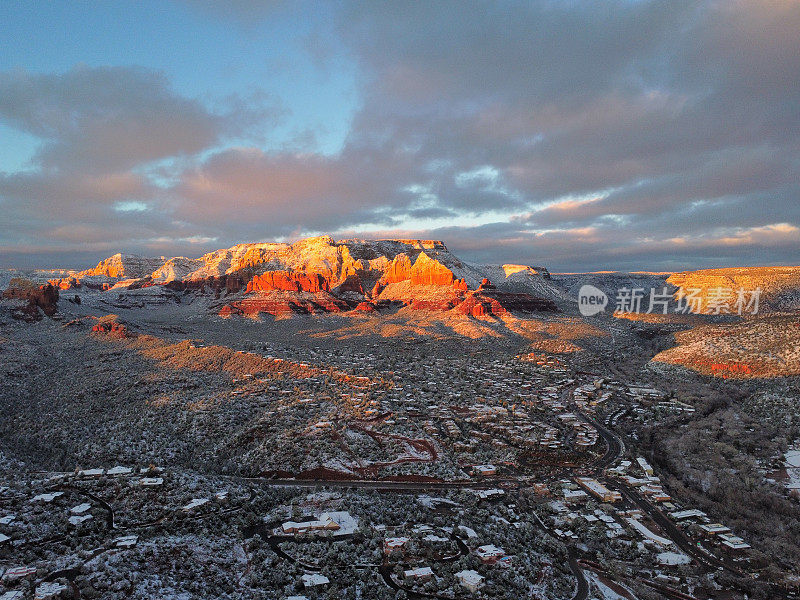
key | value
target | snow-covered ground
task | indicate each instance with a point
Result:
(793, 469)
(673, 558)
(603, 591)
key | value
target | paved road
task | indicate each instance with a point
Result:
(582, 592)
(615, 447)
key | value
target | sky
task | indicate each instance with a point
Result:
(614, 135)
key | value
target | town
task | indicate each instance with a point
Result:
(363, 474)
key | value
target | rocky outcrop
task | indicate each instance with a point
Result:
(287, 281)
(317, 275)
(488, 301)
(427, 271)
(124, 266)
(112, 328)
(285, 303)
(36, 298)
(66, 283)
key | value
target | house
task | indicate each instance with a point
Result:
(394, 544)
(471, 580)
(80, 509)
(195, 503)
(714, 528)
(151, 481)
(4, 539)
(490, 554)
(484, 470)
(13, 595)
(118, 471)
(49, 497)
(419, 574)
(126, 541)
(78, 519)
(314, 580)
(15, 574)
(49, 591)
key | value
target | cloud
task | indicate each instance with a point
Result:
(580, 135)
(103, 132)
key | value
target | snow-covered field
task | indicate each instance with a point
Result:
(793, 469)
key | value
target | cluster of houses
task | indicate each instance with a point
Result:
(46, 590)
(585, 434)
(718, 532)
(647, 483)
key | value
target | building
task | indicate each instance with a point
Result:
(315, 526)
(15, 574)
(394, 544)
(419, 574)
(691, 513)
(126, 541)
(471, 580)
(314, 580)
(598, 490)
(195, 503)
(49, 591)
(484, 470)
(80, 509)
(151, 481)
(49, 497)
(117, 471)
(645, 466)
(491, 555)
(91, 473)
(489, 494)
(714, 529)
(732, 542)
(574, 495)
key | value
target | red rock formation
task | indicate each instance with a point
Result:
(65, 283)
(398, 270)
(488, 302)
(352, 283)
(229, 310)
(287, 281)
(283, 303)
(112, 328)
(44, 297)
(367, 307)
(427, 271)
(432, 304)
